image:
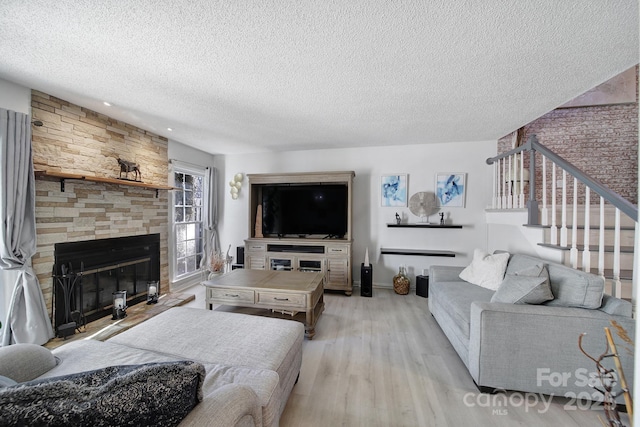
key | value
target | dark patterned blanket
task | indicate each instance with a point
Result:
(158, 394)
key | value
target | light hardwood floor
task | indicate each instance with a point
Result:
(384, 361)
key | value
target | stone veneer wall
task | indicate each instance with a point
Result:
(80, 141)
(600, 140)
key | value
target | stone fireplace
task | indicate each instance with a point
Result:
(79, 141)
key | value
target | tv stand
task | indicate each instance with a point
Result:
(316, 253)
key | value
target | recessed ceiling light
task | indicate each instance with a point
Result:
(169, 129)
(107, 104)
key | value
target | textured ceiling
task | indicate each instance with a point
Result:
(244, 76)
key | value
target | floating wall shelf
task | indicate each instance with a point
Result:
(421, 225)
(419, 252)
(62, 176)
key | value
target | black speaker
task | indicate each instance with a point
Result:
(240, 255)
(366, 280)
(422, 286)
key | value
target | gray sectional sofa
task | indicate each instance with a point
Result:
(248, 364)
(532, 347)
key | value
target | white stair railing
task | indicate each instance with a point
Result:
(509, 183)
(521, 198)
(601, 241)
(574, 227)
(616, 284)
(544, 211)
(510, 187)
(586, 251)
(563, 228)
(554, 212)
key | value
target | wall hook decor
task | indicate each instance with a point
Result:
(236, 185)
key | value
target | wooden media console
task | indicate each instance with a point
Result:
(326, 254)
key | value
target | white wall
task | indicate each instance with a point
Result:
(505, 232)
(15, 97)
(178, 151)
(420, 162)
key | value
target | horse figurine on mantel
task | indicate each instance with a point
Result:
(126, 167)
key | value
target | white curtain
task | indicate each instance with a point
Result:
(23, 312)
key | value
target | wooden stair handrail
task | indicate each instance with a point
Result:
(602, 190)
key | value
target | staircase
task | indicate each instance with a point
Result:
(588, 256)
(572, 218)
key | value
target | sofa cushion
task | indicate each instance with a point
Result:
(89, 355)
(455, 298)
(570, 287)
(265, 342)
(86, 355)
(231, 339)
(24, 362)
(152, 394)
(486, 270)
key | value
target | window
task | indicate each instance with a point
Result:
(188, 229)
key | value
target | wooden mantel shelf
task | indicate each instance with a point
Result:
(62, 176)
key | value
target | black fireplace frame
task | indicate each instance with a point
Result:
(92, 258)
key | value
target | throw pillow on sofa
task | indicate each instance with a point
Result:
(529, 286)
(486, 270)
(25, 362)
(142, 395)
(570, 287)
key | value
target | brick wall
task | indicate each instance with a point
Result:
(80, 141)
(600, 140)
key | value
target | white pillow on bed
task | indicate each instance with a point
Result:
(486, 270)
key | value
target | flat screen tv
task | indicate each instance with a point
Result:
(304, 210)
